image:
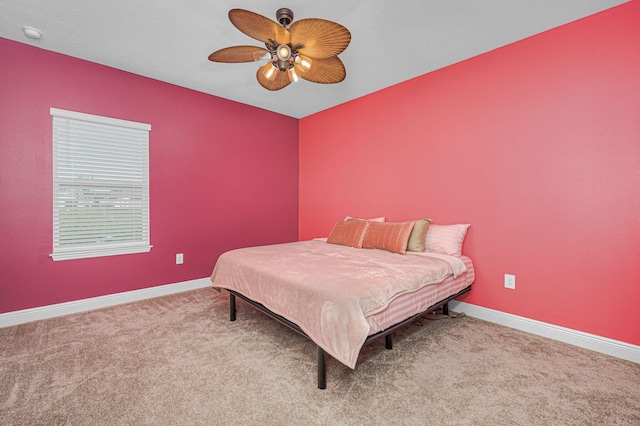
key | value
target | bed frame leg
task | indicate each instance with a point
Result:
(388, 341)
(445, 309)
(232, 307)
(322, 369)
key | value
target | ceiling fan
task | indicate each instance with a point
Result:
(306, 49)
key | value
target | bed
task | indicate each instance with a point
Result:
(341, 296)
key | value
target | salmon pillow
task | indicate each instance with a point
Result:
(350, 233)
(390, 236)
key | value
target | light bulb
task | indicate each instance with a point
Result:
(303, 62)
(283, 52)
(293, 77)
(270, 73)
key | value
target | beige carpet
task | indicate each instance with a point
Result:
(177, 360)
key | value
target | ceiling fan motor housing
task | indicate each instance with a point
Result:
(284, 16)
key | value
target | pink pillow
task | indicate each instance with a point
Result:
(349, 233)
(445, 239)
(390, 236)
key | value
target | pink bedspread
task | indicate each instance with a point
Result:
(326, 289)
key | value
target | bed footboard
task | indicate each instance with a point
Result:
(322, 357)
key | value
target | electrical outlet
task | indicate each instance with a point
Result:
(179, 259)
(510, 281)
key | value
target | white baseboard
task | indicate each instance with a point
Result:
(51, 311)
(604, 345)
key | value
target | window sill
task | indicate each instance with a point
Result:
(85, 253)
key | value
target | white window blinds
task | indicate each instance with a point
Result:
(100, 186)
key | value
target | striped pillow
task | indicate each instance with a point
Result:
(446, 239)
(390, 236)
(350, 233)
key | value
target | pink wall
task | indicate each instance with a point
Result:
(215, 182)
(536, 144)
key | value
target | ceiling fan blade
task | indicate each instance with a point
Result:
(325, 71)
(280, 81)
(237, 54)
(321, 38)
(258, 27)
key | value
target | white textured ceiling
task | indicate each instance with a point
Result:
(391, 41)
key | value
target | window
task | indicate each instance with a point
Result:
(100, 186)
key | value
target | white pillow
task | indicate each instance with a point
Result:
(445, 239)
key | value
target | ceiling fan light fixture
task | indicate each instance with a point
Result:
(270, 72)
(303, 62)
(262, 57)
(283, 52)
(293, 77)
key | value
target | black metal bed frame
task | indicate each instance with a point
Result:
(322, 364)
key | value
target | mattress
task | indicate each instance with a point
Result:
(409, 304)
